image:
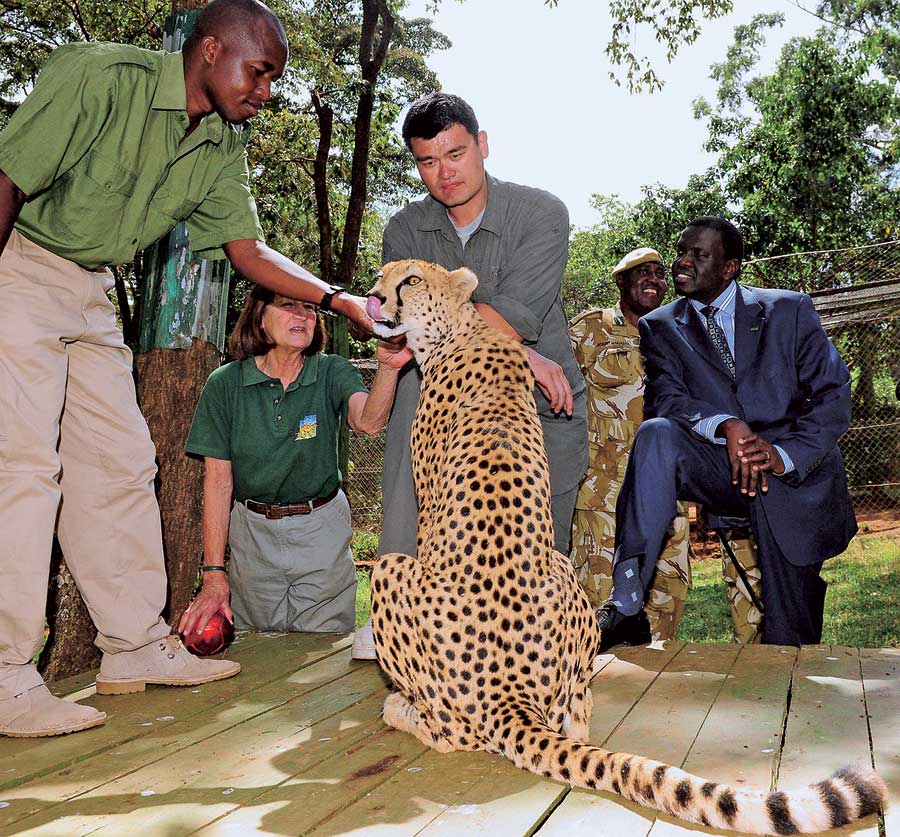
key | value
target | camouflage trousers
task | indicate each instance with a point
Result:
(593, 541)
(746, 618)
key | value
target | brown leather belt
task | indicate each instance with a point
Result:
(275, 511)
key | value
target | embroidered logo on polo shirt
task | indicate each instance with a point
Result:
(307, 428)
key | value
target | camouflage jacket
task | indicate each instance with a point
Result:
(606, 348)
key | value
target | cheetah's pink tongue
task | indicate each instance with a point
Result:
(373, 308)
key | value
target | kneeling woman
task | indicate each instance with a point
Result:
(267, 427)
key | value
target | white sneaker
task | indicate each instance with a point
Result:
(364, 643)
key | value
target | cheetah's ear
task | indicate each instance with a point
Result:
(464, 282)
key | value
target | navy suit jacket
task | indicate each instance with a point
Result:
(790, 386)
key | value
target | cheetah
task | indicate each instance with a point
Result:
(487, 635)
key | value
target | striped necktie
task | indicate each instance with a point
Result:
(718, 337)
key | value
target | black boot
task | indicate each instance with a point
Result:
(616, 629)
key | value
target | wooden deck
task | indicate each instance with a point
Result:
(295, 745)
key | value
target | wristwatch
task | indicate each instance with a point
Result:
(333, 290)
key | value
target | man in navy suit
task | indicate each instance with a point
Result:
(746, 399)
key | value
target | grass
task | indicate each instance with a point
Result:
(861, 608)
(363, 598)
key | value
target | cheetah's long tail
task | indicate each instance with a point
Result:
(846, 795)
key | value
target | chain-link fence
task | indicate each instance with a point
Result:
(857, 294)
(363, 479)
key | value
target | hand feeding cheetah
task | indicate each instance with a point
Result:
(487, 635)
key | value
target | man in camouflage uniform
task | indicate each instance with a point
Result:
(606, 346)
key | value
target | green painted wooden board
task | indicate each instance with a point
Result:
(662, 724)
(190, 787)
(826, 694)
(740, 740)
(295, 745)
(285, 697)
(304, 801)
(881, 680)
(271, 660)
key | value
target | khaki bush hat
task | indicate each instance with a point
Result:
(640, 256)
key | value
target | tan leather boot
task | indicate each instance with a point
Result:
(36, 713)
(165, 662)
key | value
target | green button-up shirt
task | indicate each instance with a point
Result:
(282, 444)
(99, 148)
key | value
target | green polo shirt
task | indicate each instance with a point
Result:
(282, 444)
(97, 148)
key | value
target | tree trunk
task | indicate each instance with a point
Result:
(70, 647)
(169, 382)
(372, 52)
(325, 118)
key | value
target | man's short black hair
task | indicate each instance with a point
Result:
(732, 240)
(236, 17)
(435, 112)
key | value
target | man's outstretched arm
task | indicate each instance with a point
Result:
(267, 267)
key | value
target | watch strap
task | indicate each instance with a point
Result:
(325, 304)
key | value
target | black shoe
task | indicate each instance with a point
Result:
(628, 630)
(608, 617)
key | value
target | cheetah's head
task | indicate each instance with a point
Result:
(419, 299)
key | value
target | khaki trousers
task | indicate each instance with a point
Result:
(75, 454)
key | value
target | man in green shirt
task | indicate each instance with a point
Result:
(114, 145)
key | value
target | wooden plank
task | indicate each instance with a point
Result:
(616, 691)
(302, 802)
(178, 735)
(881, 680)
(740, 741)
(665, 721)
(826, 725)
(193, 786)
(622, 683)
(449, 794)
(510, 799)
(661, 725)
(452, 791)
(133, 716)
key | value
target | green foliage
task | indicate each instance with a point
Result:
(809, 152)
(325, 76)
(808, 156)
(872, 25)
(32, 29)
(364, 545)
(670, 23)
(363, 597)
